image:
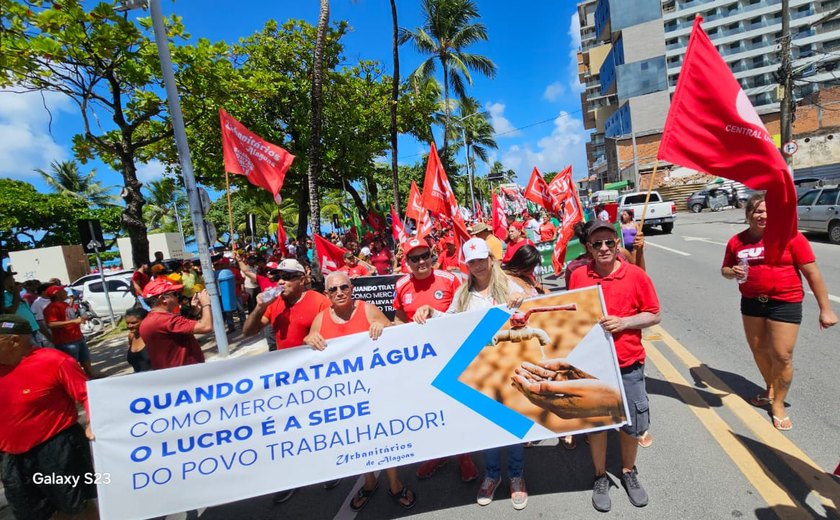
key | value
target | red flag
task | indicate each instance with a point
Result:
(424, 224)
(499, 219)
(438, 196)
(537, 191)
(330, 256)
(572, 214)
(245, 153)
(713, 127)
(376, 221)
(415, 203)
(557, 187)
(281, 236)
(397, 227)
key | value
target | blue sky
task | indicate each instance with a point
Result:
(534, 99)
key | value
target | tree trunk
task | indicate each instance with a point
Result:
(357, 199)
(303, 210)
(132, 216)
(445, 151)
(315, 122)
(395, 92)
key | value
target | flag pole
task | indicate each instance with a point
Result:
(647, 197)
(230, 211)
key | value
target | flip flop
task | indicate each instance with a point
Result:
(403, 495)
(571, 444)
(364, 496)
(761, 400)
(780, 423)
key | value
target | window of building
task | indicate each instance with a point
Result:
(758, 40)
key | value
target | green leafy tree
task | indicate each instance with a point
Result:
(166, 202)
(448, 29)
(65, 178)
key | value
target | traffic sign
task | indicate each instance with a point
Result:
(790, 148)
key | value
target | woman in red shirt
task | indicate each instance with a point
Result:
(771, 303)
(516, 239)
(381, 258)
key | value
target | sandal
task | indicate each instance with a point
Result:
(784, 424)
(761, 400)
(363, 496)
(569, 442)
(403, 495)
(645, 441)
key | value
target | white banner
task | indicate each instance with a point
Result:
(202, 435)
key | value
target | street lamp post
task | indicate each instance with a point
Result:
(162, 42)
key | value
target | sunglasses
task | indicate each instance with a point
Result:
(596, 244)
(343, 288)
(288, 276)
(416, 258)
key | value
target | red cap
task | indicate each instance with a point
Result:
(449, 240)
(272, 265)
(518, 224)
(160, 285)
(414, 243)
(52, 291)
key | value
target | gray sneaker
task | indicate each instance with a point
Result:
(638, 495)
(601, 493)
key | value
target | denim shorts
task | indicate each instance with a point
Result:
(77, 349)
(775, 310)
(633, 378)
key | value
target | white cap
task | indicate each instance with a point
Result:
(475, 249)
(365, 251)
(291, 265)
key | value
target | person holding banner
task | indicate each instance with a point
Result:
(40, 435)
(352, 267)
(486, 287)
(632, 305)
(349, 316)
(771, 303)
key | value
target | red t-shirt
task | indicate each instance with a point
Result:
(238, 278)
(170, 340)
(60, 311)
(436, 290)
(140, 279)
(547, 231)
(627, 292)
(381, 260)
(780, 282)
(264, 282)
(291, 324)
(448, 261)
(356, 270)
(39, 398)
(512, 247)
(358, 323)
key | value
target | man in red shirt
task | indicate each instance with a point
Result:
(632, 305)
(448, 260)
(40, 434)
(65, 325)
(352, 267)
(170, 337)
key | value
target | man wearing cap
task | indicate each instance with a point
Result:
(66, 327)
(170, 337)
(632, 305)
(40, 434)
(448, 260)
(290, 314)
(352, 267)
(483, 231)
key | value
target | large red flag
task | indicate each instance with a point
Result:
(537, 191)
(397, 227)
(557, 187)
(437, 192)
(281, 236)
(572, 214)
(330, 256)
(713, 127)
(424, 224)
(415, 203)
(245, 153)
(498, 218)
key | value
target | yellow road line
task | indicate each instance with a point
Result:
(763, 480)
(825, 487)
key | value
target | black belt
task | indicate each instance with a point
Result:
(630, 368)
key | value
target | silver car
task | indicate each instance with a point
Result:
(819, 211)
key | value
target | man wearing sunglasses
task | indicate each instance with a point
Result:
(170, 337)
(632, 305)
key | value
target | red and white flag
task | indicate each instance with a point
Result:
(713, 127)
(397, 227)
(572, 214)
(415, 203)
(557, 187)
(245, 153)
(281, 236)
(537, 192)
(330, 256)
(438, 196)
(424, 224)
(499, 220)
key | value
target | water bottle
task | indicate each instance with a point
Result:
(269, 294)
(745, 265)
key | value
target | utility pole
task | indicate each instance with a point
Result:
(787, 103)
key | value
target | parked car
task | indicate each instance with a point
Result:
(90, 289)
(819, 211)
(718, 198)
(659, 213)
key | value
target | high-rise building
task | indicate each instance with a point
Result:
(632, 51)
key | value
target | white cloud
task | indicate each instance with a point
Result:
(501, 125)
(564, 146)
(554, 91)
(25, 140)
(571, 83)
(150, 171)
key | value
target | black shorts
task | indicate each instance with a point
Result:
(775, 310)
(67, 454)
(633, 378)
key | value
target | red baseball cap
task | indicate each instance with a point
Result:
(53, 290)
(161, 285)
(414, 243)
(518, 224)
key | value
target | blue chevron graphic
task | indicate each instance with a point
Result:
(447, 380)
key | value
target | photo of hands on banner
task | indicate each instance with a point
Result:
(207, 434)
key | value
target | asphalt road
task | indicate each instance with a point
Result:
(714, 456)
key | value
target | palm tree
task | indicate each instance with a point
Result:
(65, 178)
(315, 122)
(395, 93)
(163, 198)
(447, 31)
(474, 131)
